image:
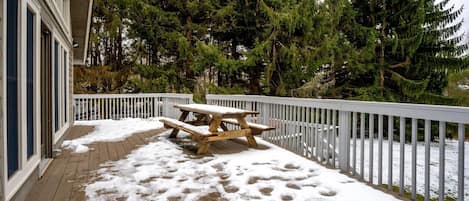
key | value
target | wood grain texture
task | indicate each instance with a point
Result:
(68, 172)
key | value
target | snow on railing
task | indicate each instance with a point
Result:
(117, 106)
(337, 133)
(415, 159)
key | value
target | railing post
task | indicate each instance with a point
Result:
(165, 107)
(344, 141)
(155, 106)
(265, 113)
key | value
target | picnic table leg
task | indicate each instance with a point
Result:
(214, 124)
(244, 125)
(182, 118)
(203, 148)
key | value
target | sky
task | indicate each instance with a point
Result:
(465, 15)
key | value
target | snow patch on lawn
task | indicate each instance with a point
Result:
(110, 131)
(162, 170)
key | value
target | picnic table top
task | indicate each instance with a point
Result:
(214, 110)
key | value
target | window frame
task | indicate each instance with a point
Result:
(62, 48)
(26, 165)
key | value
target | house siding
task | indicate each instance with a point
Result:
(52, 15)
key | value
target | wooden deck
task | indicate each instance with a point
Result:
(67, 173)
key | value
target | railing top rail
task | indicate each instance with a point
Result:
(139, 95)
(418, 111)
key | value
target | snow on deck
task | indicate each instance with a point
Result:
(163, 170)
(110, 131)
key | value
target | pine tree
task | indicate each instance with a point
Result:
(415, 42)
(440, 51)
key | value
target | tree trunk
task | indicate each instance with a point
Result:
(254, 83)
(120, 53)
(188, 61)
(383, 46)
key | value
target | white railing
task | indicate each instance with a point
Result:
(337, 133)
(117, 106)
(415, 159)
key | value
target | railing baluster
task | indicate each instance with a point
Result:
(310, 128)
(322, 133)
(354, 141)
(441, 186)
(284, 133)
(414, 159)
(334, 120)
(301, 130)
(427, 159)
(303, 133)
(362, 145)
(78, 109)
(461, 133)
(380, 149)
(120, 109)
(87, 109)
(328, 135)
(316, 135)
(297, 130)
(402, 147)
(291, 128)
(278, 123)
(306, 129)
(390, 149)
(371, 135)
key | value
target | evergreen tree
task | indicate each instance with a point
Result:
(388, 50)
(414, 43)
(440, 51)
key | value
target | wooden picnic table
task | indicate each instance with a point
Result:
(215, 117)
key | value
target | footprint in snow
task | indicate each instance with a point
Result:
(266, 191)
(327, 192)
(286, 197)
(223, 176)
(291, 166)
(231, 189)
(219, 167)
(293, 186)
(259, 163)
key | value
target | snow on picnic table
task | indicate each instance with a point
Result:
(215, 108)
(110, 131)
(163, 170)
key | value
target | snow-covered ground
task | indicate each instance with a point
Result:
(451, 166)
(271, 173)
(110, 131)
(163, 170)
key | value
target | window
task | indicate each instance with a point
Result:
(12, 87)
(56, 86)
(65, 64)
(30, 83)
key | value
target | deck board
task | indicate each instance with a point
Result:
(67, 173)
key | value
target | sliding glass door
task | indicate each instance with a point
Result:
(12, 88)
(30, 83)
(46, 93)
(56, 86)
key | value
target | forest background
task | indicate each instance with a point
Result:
(378, 50)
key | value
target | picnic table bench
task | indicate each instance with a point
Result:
(216, 117)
